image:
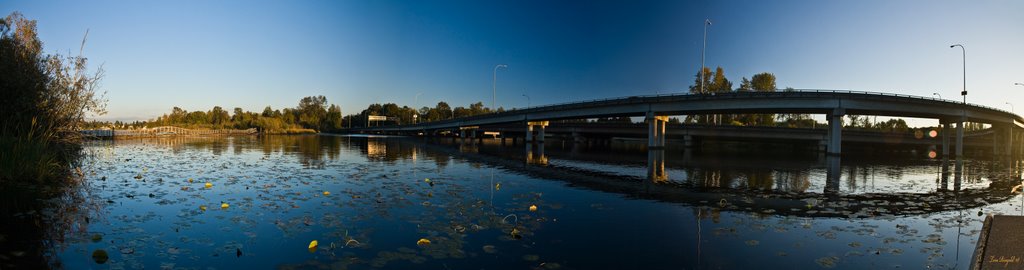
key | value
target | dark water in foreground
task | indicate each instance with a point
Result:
(595, 208)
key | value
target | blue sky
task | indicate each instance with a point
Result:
(250, 54)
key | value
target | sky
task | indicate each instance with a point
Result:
(252, 54)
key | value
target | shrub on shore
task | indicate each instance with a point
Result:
(43, 101)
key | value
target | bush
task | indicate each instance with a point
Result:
(43, 102)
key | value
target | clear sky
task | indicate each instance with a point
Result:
(250, 54)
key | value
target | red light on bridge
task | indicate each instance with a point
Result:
(933, 133)
(932, 153)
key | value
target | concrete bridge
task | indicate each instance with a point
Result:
(656, 109)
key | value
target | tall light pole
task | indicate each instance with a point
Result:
(707, 22)
(964, 52)
(937, 94)
(963, 118)
(527, 100)
(494, 83)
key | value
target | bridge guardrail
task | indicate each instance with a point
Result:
(642, 98)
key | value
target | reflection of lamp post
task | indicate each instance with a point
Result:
(494, 84)
(937, 94)
(527, 100)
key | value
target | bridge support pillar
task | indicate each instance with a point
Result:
(960, 145)
(688, 141)
(656, 131)
(945, 139)
(835, 131)
(1008, 152)
(540, 131)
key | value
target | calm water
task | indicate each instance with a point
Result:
(595, 207)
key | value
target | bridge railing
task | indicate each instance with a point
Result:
(642, 98)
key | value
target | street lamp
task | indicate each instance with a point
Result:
(494, 83)
(1021, 84)
(1011, 106)
(707, 22)
(963, 119)
(937, 94)
(415, 110)
(527, 100)
(964, 51)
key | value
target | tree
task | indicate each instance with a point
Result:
(444, 111)
(218, 116)
(267, 112)
(311, 111)
(333, 118)
(695, 88)
(745, 86)
(763, 82)
(720, 84)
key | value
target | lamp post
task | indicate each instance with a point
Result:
(707, 22)
(964, 52)
(963, 119)
(527, 100)
(1011, 106)
(1021, 84)
(937, 94)
(494, 83)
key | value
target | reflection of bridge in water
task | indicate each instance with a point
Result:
(533, 122)
(828, 202)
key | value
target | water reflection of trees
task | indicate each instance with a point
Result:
(35, 221)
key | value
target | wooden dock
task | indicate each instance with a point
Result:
(162, 132)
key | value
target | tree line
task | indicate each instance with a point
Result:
(406, 115)
(312, 115)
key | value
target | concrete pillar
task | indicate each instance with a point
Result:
(529, 133)
(656, 131)
(662, 135)
(995, 141)
(960, 146)
(1009, 141)
(945, 139)
(835, 131)
(540, 134)
(688, 141)
(539, 125)
(652, 132)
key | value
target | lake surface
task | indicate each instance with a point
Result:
(368, 202)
